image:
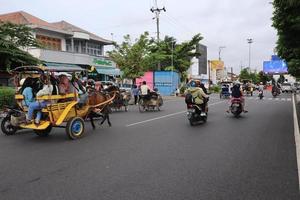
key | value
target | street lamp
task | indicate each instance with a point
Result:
(220, 49)
(250, 41)
(172, 63)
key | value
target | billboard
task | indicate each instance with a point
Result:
(202, 64)
(275, 66)
(216, 64)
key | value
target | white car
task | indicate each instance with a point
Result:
(287, 87)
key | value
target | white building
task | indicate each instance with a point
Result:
(66, 44)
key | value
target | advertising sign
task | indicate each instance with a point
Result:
(216, 64)
(275, 67)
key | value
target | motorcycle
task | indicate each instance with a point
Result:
(275, 94)
(236, 107)
(195, 114)
(9, 124)
(260, 94)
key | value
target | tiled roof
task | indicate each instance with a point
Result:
(70, 27)
(22, 17)
(25, 18)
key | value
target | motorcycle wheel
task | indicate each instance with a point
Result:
(6, 126)
(192, 123)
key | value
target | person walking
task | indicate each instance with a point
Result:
(135, 93)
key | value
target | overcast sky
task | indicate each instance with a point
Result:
(221, 22)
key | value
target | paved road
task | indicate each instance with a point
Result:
(158, 155)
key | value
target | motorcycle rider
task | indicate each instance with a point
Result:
(145, 91)
(261, 88)
(236, 92)
(275, 88)
(199, 96)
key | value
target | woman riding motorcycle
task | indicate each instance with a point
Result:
(199, 96)
(237, 93)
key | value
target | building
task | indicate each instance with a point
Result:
(66, 44)
(199, 63)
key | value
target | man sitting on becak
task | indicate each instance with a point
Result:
(145, 91)
(198, 95)
(40, 104)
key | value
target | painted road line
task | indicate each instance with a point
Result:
(297, 138)
(283, 99)
(169, 115)
(289, 99)
(270, 98)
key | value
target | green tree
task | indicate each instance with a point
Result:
(14, 38)
(286, 19)
(244, 74)
(262, 77)
(143, 54)
(132, 56)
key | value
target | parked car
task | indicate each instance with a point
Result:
(126, 87)
(287, 87)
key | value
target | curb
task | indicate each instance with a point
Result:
(297, 137)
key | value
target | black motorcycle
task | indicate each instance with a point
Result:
(236, 107)
(8, 123)
(260, 94)
(195, 114)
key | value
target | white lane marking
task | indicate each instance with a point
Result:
(289, 99)
(283, 99)
(297, 138)
(270, 98)
(165, 116)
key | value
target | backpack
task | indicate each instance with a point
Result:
(189, 99)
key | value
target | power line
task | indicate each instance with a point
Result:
(157, 11)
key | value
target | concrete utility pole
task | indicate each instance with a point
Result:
(157, 11)
(220, 49)
(250, 41)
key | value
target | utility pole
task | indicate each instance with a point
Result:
(157, 11)
(220, 49)
(250, 41)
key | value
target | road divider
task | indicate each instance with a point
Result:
(166, 116)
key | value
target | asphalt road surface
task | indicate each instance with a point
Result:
(159, 156)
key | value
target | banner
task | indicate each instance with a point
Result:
(216, 64)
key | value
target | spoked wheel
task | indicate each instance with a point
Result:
(75, 128)
(141, 106)
(43, 133)
(6, 126)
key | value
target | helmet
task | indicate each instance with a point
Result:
(144, 82)
(197, 83)
(90, 82)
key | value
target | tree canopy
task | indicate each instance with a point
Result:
(136, 57)
(286, 19)
(14, 38)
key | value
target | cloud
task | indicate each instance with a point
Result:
(221, 22)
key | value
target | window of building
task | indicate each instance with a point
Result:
(49, 42)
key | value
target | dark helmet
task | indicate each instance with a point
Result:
(144, 82)
(90, 82)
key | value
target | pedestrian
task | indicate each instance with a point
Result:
(135, 93)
